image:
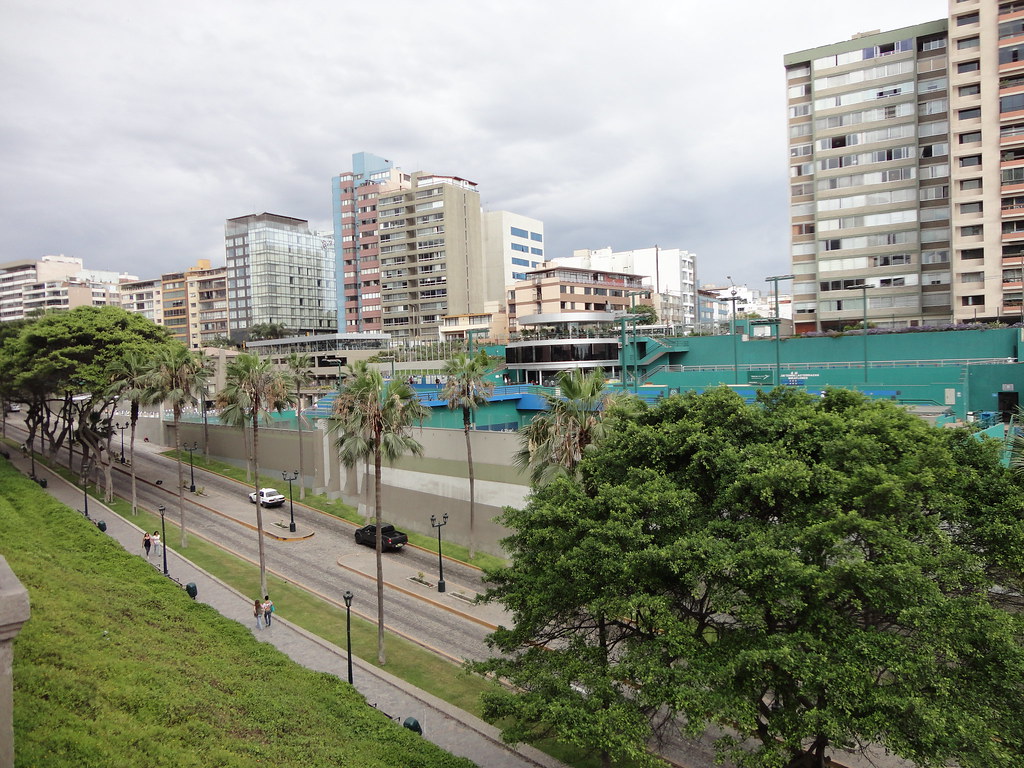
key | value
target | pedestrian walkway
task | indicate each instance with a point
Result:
(446, 726)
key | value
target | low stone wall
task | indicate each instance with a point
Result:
(14, 612)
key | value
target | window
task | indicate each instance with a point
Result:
(971, 137)
(973, 230)
(932, 107)
(520, 248)
(970, 207)
(969, 114)
(1011, 53)
(967, 42)
(967, 18)
(968, 66)
(536, 236)
(1012, 28)
(1013, 227)
(1012, 103)
(972, 301)
(970, 160)
(936, 192)
(935, 150)
(934, 257)
(1012, 175)
(517, 232)
(972, 277)
(800, 70)
(972, 253)
(933, 44)
(969, 90)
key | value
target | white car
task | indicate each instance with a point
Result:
(269, 497)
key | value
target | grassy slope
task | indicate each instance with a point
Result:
(118, 667)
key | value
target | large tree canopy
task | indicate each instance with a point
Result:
(810, 575)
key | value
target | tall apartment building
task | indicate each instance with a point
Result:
(55, 282)
(520, 241)
(906, 162)
(278, 271)
(414, 248)
(670, 271)
(144, 297)
(192, 305)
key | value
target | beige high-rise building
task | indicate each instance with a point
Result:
(412, 249)
(907, 173)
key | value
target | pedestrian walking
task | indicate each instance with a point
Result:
(268, 609)
(147, 542)
(257, 611)
(154, 539)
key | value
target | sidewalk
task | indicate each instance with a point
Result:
(450, 728)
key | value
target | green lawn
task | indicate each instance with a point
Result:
(118, 667)
(405, 659)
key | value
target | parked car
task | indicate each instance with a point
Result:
(269, 497)
(389, 537)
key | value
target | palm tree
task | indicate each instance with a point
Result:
(128, 377)
(375, 419)
(466, 388)
(1017, 444)
(176, 376)
(554, 442)
(298, 367)
(253, 388)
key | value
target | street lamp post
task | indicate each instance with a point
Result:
(348, 630)
(190, 447)
(85, 485)
(732, 332)
(288, 477)
(440, 560)
(778, 325)
(121, 428)
(864, 294)
(163, 536)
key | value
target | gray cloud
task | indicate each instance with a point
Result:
(131, 130)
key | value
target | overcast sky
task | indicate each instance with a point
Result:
(129, 131)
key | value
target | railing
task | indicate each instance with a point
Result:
(844, 364)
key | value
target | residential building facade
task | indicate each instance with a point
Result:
(559, 294)
(278, 272)
(30, 286)
(672, 273)
(414, 248)
(907, 167)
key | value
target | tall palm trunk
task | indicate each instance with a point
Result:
(181, 476)
(298, 422)
(472, 484)
(259, 506)
(378, 519)
(131, 457)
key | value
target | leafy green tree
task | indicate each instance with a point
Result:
(375, 419)
(806, 575)
(466, 388)
(647, 312)
(72, 350)
(253, 388)
(129, 376)
(554, 442)
(298, 366)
